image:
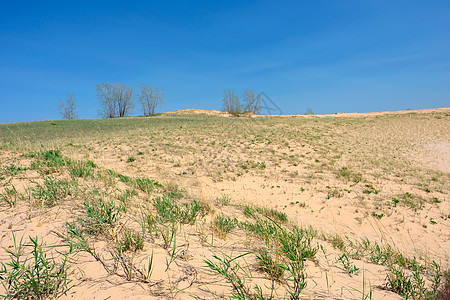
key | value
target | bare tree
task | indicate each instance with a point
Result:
(150, 98)
(252, 102)
(68, 110)
(116, 99)
(123, 97)
(231, 102)
(105, 93)
(227, 94)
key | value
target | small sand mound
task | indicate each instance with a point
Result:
(193, 111)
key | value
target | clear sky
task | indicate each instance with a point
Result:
(330, 56)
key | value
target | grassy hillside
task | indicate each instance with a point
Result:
(199, 206)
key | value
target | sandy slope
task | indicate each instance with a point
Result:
(395, 153)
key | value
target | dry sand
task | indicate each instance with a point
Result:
(395, 153)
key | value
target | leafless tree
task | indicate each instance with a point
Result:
(231, 102)
(105, 93)
(150, 98)
(116, 99)
(123, 96)
(68, 110)
(252, 102)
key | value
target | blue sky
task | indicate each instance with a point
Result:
(330, 56)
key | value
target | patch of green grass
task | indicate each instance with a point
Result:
(411, 200)
(348, 175)
(112, 173)
(147, 185)
(261, 165)
(167, 232)
(82, 169)
(91, 164)
(269, 266)
(52, 191)
(378, 216)
(297, 243)
(334, 192)
(126, 197)
(395, 201)
(174, 191)
(9, 196)
(14, 170)
(49, 158)
(224, 200)
(265, 229)
(132, 241)
(169, 210)
(101, 215)
(273, 214)
(229, 268)
(147, 222)
(410, 285)
(34, 276)
(224, 224)
(400, 282)
(130, 159)
(370, 189)
(124, 178)
(337, 242)
(270, 213)
(348, 266)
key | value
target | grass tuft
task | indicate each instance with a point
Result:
(37, 275)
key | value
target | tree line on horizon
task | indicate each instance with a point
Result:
(233, 105)
(116, 100)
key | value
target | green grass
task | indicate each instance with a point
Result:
(132, 241)
(224, 225)
(9, 196)
(36, 275)
(124, 178)
(369, 189)
(170, 210)
(230, 269)
(269, 266)
(348, 175)
(52, 191)
(224, 200)
(411, 200)
(347, 265)
(49, 159)
(13, 170)
(34, 134)
(147, 185)
(101, 215)
(82, 169)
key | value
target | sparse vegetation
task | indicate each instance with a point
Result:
(224, 224)
(100, 215)
(249, 235)
(52, 191)
(32, 274)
